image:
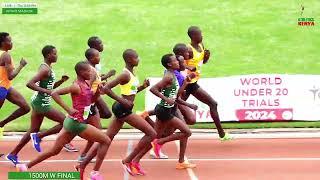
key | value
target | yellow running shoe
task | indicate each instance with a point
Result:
(226, 137)
(185, 165)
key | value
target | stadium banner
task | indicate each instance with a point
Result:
(257, 97)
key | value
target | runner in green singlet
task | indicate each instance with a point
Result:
(43, 83)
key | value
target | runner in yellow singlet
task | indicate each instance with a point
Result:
(200, 56)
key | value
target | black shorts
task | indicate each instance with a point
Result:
(164, 113)
(191, 88)
(119, 111)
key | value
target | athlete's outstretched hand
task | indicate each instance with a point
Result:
(64, 78)
(23, 62)
(206, 56)
(112, 72)
(143, 86)
(190, 77)
(104, 77)
(146, 83)
(102, 84)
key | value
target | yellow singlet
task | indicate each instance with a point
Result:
(97, 81)
(131, 87)
(196, 62)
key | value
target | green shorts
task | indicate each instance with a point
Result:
(74, 126)
(37, 105)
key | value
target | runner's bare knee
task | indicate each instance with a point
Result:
(191, 120)
(188, 133)
(213, 105)
(26, 108)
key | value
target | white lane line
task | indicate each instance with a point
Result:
(136, 136)
(191, 159)
(129, 150)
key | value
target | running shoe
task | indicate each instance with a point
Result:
(153, 155)
(13, 159)
(156, 147)
(70, 148)
(81, 158)
(128, 167)
(136, 167)
(35, 141)
(21, 167)
(95, 175)
(185, 165)
(226, 137)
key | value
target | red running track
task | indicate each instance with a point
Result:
(240, 159)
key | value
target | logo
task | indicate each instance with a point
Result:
(305, 21)
(19, 8)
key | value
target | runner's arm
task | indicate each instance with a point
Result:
(107, 89)
(98, 92)
(182, 102)
(145, 84)
(206, 55)
(12, 72)
(41, 75)
(156, 89)
(182, 88)
(185, 83)
(73, 89)
(111, 73)
(63, 79)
